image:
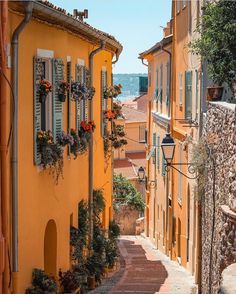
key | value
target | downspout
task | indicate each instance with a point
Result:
(4, 211)
(14, 160)
(91, 68)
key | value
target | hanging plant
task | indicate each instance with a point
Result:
(81, 91)
(80, 145)
(110, 114)
(87, 127)
(112, 91)
(45, 88)
(51, 154)
(65, 139)
(63, 88)
(117, 108)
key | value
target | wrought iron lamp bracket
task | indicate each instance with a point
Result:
(191, 169)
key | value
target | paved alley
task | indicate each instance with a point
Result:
(147, 271)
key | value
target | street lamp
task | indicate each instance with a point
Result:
(143, 178)
(168, 150)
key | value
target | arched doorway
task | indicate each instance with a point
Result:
(50, 248)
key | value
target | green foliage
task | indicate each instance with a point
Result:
(114, 230)
(42, 283)
(122, 188)
(69, 281)
(217, 42)
(99, 203)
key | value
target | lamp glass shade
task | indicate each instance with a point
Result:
(168, 148)
(141, 173)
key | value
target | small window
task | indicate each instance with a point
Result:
(142, 131)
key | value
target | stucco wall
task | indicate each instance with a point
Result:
(126, 219)
(217, 237)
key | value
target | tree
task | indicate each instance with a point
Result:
(123, 189)
(217, 44)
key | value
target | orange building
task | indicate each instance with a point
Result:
(158, 182)
(48, 43)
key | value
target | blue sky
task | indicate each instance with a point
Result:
(135, 23)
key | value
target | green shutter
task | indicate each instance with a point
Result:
(188, 95)
(57, 77)
(158, 153)
(154, 143)
(161, 83)
(38, 75)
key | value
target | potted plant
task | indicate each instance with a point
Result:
(62, 90)
(87, 127)
(44, 88)
(216, 45)
(65, 139)
(112, 91)
(81, 91)
(69, 282)
(109, 114)
(42, 283)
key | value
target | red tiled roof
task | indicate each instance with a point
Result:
(133, 115)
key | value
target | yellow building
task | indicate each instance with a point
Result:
(158, 182)
(47, 43)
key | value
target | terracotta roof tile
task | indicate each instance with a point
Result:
(134, 115)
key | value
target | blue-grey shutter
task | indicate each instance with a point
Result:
(154, 143)
(163, 170)
(88, 84)
(78, 104)
(57, 77)
(197, 92)
(158, 153)
(157, 83)
(69, 103)
(188, 95)
(38, 75)
(167, 83)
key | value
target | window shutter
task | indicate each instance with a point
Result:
(68, 102)
(179, 174)
(57, 77)
(188, 95)
(163, 171)
(78, 104)
(180, 89)
(154, 143)
(161, 83)
(197, 92)
(158, 153)
(103, 101)
(38, 75)
(88, 84)
(167, 83)
(157, 82)
(146, 136)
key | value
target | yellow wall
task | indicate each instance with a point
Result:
(132, 135)
(40, 200)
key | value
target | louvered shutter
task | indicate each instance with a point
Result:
(69, 103)
(88, 84)
(158, 153)
(157, 83)
(78, 108)
(57, 77)
(163, 170)
(38, 75)
(188, 95)
(154, 143)
(103, 80)
(167, 83)
(161, 83)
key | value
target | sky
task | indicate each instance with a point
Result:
(135, 23)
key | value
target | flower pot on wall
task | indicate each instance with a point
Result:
(214, 93)
(62, 97)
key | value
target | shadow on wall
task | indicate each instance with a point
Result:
(50, 248)
(141, 274)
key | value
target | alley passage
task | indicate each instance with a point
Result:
(147, 271)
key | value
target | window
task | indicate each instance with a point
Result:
(149, 74)
(157, 81)
(180, 89)
(163, 169)
(158, 153)
(48, 114)
(180, 182)
(142, 130)
(188, 95)
(178, 4)
(154, 144)
(197, 92)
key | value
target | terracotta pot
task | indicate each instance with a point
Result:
(62, 97)
(214, 93)
(42, 98)
(91, 282)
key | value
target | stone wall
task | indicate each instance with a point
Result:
(218, 231)
(126, 219)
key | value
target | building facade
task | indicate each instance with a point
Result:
(55, 46)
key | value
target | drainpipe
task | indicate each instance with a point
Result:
(91, 67)
(14, 160)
